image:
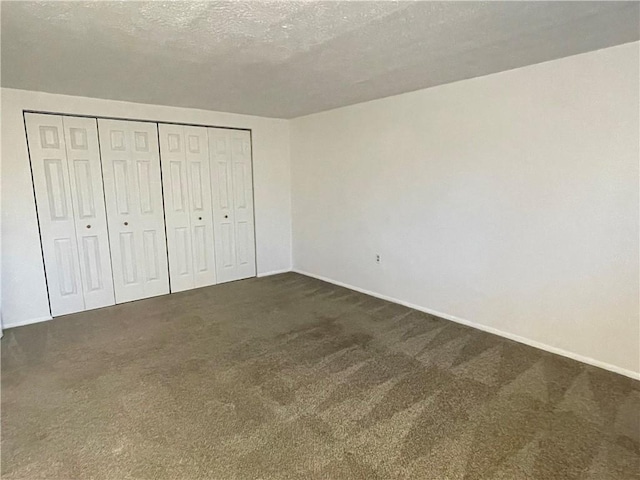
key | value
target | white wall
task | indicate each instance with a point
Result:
(509, 201)
(24, 296)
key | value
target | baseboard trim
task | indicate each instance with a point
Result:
(495, 331)
(28, 321)
(274, 272)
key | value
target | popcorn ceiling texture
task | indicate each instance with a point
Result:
(286, 59)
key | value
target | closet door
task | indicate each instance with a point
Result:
(50, 170)
(65, 163)
(184, 154)
(232, 185)
(85, 175)
(133, 193)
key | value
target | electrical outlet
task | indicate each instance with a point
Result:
(377, 258)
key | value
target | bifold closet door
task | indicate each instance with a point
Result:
(184, 157)
(133, 193)
(232, 185)
(65, 162)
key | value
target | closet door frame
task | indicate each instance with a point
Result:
(157, 123)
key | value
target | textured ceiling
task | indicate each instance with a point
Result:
(286, 59)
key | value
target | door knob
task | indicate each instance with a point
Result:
(88, 226)
(226, 216)
(199, 218)
(126, 223)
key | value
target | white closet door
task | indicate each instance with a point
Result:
(199, 180)
(187, 199)
(232, 186)
(50, 170)
(65, 161)
(176, 206)
(133, 193)
(85, 175)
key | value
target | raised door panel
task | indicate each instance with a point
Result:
(174, 166)
(222, 200)
(201, 212)
(81, 136)
(49, 164)
(135, 216)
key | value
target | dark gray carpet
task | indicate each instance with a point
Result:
(288, 377)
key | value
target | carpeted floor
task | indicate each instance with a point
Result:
(288, 377)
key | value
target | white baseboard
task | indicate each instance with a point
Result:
(29, 321)
(273, 272)
(495, 331)
(453, 318)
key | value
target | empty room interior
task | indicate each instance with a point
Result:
(320, 240)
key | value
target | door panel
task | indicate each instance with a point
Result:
(66, 266)
(222, 211)
(223, 178)
(199, 180)
(50, 170)
(197, 201)
(233, 204)
(174, 171)
(131, 166)
(185, 167)
(92, 265)
(151, 255)
(55, 173)
(121, 186)
(84, 189)
(144, 186)
(239, 185)
(243, 189)
(146, 157)
(182, 250)
(83, 153)
(200, 247)
(242, 240)
(129, 268)
(226, 230)
(177, 186)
